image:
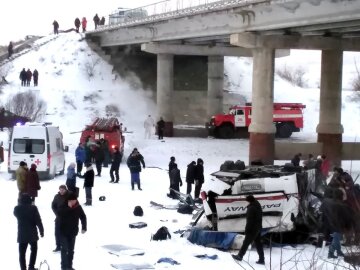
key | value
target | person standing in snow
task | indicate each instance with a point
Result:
(29, 222)
(96, 20)
(56, 27)
(99, 156)
(23, 77)
(80, 157)
(32, 182)
(102, 21)
(35, 77)
(149, 124)
(176, 181)
(172, 165)
(190, 176)
(20, 174)
(199, 177)
(10, 49)
(28, 77)
(88, 183)
(161, 128)
(115, 165)
(71, 178)
(134, 163)
(252, 230)
(59, 201)
(69, 217)
(77, 24)
(83, 24)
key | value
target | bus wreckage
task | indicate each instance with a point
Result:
(286, 194)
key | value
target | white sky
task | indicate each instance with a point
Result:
(61, 66)
(19, 18)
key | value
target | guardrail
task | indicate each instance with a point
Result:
(169, 9)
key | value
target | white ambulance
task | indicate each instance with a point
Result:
(38, 143)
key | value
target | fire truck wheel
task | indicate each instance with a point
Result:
(226, 132)
(283, 130)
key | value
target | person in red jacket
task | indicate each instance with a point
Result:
(83, 24)
(32, 182)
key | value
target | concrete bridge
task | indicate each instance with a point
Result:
(179, 49)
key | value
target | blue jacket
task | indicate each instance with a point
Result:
(71, 179)
(80, 154)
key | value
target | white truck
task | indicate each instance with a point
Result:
(38, 143)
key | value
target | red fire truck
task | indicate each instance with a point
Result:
(108, 129)
(288, 118)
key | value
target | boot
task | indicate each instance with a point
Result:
(132, 186)
(237, 257)
(90, 202)
(139, 188)
(331, 255)
(261, 261)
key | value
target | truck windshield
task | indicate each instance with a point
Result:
(29, 146)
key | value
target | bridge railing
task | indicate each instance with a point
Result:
(168, 9)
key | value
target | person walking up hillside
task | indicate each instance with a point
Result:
(69, 217)
(59, 201)
(96, 20)
(56, 27)
(32, 182)
(134, 163)
(252, 230)
(83, 24)
(199, 177)
(29, 222)
(35, 77)
(10, 49)
(89, 183)
(77, 24)
(115, 165)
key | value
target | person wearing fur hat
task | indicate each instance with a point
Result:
(69, 217)
(89, 176)
(29, 222)
(32, 182)
(71, 177)
(20, 174)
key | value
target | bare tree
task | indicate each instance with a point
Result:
(293, 75)
(27, 104)
(90, 66)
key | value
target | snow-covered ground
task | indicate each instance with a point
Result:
(63, 83)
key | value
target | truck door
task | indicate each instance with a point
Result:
(239, 118)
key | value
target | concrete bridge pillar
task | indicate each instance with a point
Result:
(215, 85)
(329, 128)
(165, 86)
(262, 129)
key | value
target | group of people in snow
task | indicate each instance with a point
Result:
(82, 23)
(149, 125)
(26, 76)
(98, 21)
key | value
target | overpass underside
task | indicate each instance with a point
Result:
(182, 59)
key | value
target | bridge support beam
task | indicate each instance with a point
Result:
(165, 86)
(262, 129)
(329, 128)
(215, 85)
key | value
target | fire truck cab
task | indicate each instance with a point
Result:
(287, 117)
(108, 129)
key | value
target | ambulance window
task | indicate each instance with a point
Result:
(29, 146)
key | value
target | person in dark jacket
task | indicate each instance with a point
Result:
(296, 160)
(10, 49)
(160, 128)
(80, 157)
(28, 77)
(134, 163)
(199, 177)
(36, 77)
(102, 21)
(77, 24)
(69, 216)
(115, 165)
(107, 155)
(32, 182)
(171, 166)
(56, 27)
(190, 176)
(99, 156)
(23, 77)
(71, 178)
(29, 222)
(88, 183)
(252, 230)
(59, 201)
(175, 180)
(96, 20)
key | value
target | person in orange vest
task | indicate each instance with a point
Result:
(83, 24)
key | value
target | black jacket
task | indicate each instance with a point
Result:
(171, 166)
(28, 221)
(190, 172)
(89, 176)
(253, 218)
(199, 173)
(58, 202)
(116, 160)
(134, 163)
(175, 177)
(69, 220)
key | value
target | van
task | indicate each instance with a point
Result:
(40, 144)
